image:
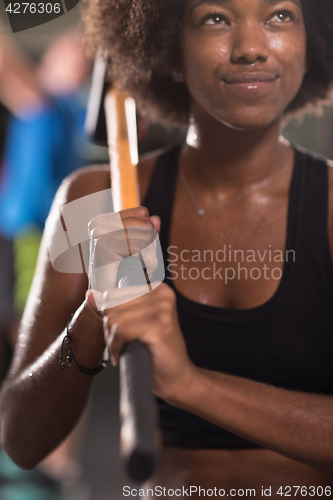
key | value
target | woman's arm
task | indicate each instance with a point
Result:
(19, 87)
(294, 424)
(40, 403)
(297, 425)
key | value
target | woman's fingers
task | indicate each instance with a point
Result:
(136, 217)
(118, 235)
(137, 212)
(142, 215)
(153, 320)
(124, 331)
(112, 222)
(107, 230)
(132, 314)
(94, 302)
(156, 222)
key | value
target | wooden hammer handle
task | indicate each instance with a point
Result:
(137, 409)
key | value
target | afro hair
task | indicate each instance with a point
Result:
(141, 40)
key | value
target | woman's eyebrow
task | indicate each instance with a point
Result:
(227, 2)
(211, 2)
(273, 2)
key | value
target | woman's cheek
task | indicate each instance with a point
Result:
(291, 55)
(294, 75)
(200, 70)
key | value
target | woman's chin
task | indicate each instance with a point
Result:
(249, 123)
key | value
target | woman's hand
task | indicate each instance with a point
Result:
(151, 319)
(117, 235)
(135, 314)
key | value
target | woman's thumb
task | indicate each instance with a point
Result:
(157, 222)
(94, 302)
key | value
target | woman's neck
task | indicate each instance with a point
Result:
(221, 158)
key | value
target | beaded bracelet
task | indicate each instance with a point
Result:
(71, 356)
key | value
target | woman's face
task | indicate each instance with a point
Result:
(243, 60)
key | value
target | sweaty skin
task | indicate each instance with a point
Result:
(243, 62)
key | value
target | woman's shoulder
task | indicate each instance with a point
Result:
(92, 179)
(83, 182)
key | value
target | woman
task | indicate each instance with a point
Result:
(242, 359)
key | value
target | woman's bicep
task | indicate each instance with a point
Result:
(54, 295)
(60, 282)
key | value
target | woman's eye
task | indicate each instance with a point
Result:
(213, 19)
(282, 17)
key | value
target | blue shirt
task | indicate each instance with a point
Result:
(42, 148)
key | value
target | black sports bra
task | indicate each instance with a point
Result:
(286, 342)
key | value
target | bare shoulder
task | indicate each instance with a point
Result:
(92, 179)
(82, 182)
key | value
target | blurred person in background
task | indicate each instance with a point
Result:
(46, 127)
(17, 86)
(43, 144)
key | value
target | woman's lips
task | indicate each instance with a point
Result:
(250, 82)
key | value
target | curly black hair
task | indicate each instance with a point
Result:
(141, 38)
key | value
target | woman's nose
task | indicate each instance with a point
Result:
(250, 44)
